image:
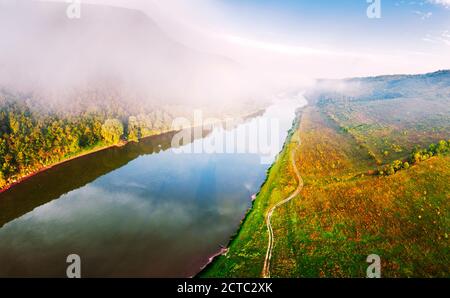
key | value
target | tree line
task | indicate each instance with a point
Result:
(417, 155)
(31, 140)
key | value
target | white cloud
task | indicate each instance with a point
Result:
(445, 3)
(441, 38)
(284, 49)
(423, 15)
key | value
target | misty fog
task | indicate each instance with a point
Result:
(112, 52)
(147, 53)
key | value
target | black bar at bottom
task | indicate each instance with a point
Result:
(229, 287)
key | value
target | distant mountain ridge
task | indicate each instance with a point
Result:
(108, 47)
(428, 86)
(443, 72)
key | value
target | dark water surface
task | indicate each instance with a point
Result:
(139, 210)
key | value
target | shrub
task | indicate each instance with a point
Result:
(112, 131)
(397, 165)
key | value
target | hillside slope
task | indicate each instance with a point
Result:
(346, 211)
(109, 52)
(73, 86)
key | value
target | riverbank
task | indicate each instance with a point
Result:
(138, 184)
(97, 148)
(255, 215)
(71, 158)
(344, 215)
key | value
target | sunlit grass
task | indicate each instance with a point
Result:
(345, 213)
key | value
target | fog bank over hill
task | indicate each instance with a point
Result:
(113, 53)
(429, 87)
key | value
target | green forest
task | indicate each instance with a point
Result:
(31, 139)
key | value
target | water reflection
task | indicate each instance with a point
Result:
(128, 213)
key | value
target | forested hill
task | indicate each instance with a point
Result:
(430, 86)
(388, 115)
(68, 86)
(113, 52)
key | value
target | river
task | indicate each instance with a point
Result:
(141, 210)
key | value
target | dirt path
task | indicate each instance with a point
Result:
(266, 268)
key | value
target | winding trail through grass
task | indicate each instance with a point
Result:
(266, 268)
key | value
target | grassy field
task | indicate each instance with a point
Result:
(245, 256)
(345, 211)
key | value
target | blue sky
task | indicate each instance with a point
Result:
(412, 25)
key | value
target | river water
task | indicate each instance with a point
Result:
(141, 210)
